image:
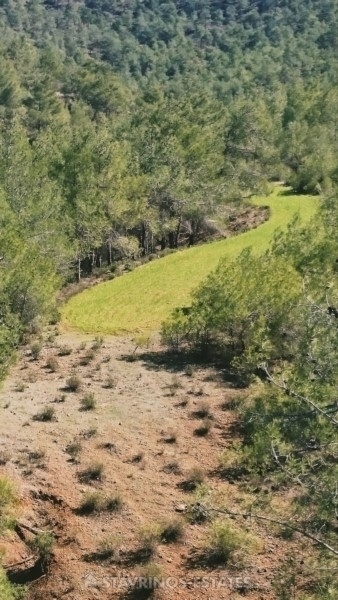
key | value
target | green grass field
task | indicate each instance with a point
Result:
(141, 300)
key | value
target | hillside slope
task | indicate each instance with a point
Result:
(142, 299)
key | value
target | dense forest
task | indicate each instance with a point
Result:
(124, 125)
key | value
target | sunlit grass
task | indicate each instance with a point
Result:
(141, 300)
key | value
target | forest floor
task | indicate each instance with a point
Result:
(142, 432)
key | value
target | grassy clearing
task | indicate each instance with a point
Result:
(141, 300)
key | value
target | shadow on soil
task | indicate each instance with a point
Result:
(178, 362)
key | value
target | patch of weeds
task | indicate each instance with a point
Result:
(89, 433)
(113, 503)
(108, 547)
(46, 414)
(96, 502)
(193, 479)
(229, 544)
(183, 403)
(190, 370)
(37, 454)
(88, 402)
(170, 437)
(203, 410)
(197, 391)
(204, 428)
(151, 577)
(20, 386)
(172, 531)
(172, 468)
(93, 472)
(91, 503)
(232, 403)
(35, 350)
(5, 457)
(111, 382)
(64, 351)
(74, 450)
(52, 364)
(98, 342)
(286, 533)
(174, 386)
(149, 538)
(138, 458)
(32, 377)
(82, 346)
(43, 544)
(60, 399)
(74, 383)
(7, 502)
(87, 358)
(197, 513)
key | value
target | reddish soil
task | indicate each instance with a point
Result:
(132, 425)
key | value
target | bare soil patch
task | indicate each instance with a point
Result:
(140, 435)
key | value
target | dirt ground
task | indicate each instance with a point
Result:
(142, 432)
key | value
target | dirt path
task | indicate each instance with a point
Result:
(143, 434)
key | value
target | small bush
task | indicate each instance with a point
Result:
(98, 342)
(20, 386)
(190, 370)
(172, 531)
(109, 547)
(137, 458)
(203, 410)
(172, 467)
(36, 349)
(87, 358)
(43, 544)
(60, 399)
(88, 402)
(197, 513)
(89, 433)
(7, 495)
(5, 457)
(74, 450)
(91, 503)
(149, 538)
(74, 383)
(204, 428)
(32, 377)
(64, 351)
(151, 577)
(93, 472)
(170, 437)
(228, 543)
(111, 382)
(52, 364)
(194, 478)
(174, 386)
(7, 500)
(95, 502)
(46, 414)
(37, 454)
(113, 503)
(183, 403)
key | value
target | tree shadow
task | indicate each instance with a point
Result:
(176, 362)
